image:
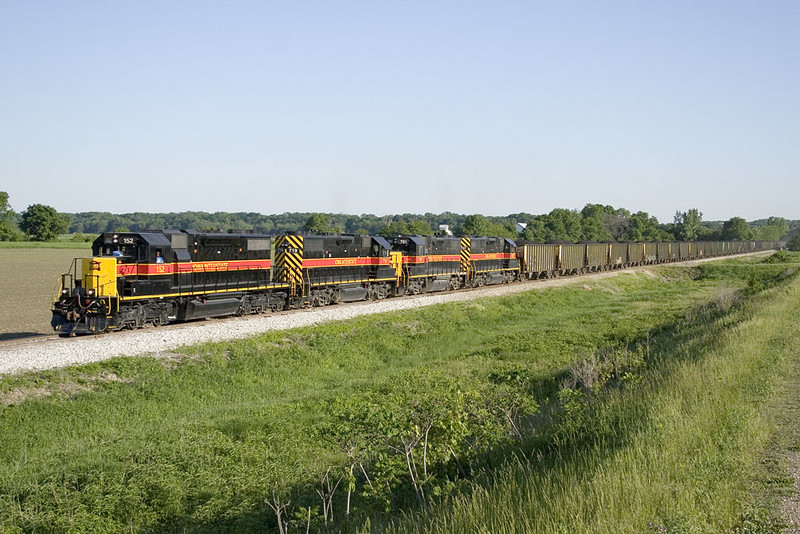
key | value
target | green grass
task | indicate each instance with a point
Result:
(202, 440)
(679, 452)
(73, 241)
(46, 244)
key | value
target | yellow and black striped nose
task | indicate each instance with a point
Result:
(465, 254)
(289, 258)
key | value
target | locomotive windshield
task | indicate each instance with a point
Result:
(123, 251)
(127, 249)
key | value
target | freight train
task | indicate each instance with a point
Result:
(136, 279)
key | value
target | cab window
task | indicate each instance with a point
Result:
(126, 253)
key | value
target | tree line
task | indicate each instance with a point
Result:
(595, 222)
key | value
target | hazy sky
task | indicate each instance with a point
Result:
(490, 107)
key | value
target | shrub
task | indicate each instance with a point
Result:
(794, 242)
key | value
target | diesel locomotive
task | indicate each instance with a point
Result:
(134, 279)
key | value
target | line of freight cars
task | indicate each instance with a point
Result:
(157, 277)
(539, 260)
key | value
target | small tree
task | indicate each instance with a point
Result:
(395, 228)
(643, 227)
(9, 233)
(43, 223)
(5, 208)
(594, 230)
(420, 228)
(736, 229)
(687, 225)
(794, 242)
(318, 222)
(563, 225)
(535, 231)
(475, 225)
(8, 230)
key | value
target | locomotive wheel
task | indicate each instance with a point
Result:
(320, 298)
(379, 291)
(414, 288)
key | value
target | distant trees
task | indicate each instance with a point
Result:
(5, 209)
(736, 229)
(558, 225)
(503, 230)
(43, 223)
(643, 227)
(564, 225)
(615, 221)
(593, 225)
(794, 242)
(406, 228)
(775, 229)
(474, 225)
(318, 222)
(595, 222)
(8, 230)
(481, 225)
(687, 225)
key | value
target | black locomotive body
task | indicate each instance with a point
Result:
(325, 269)
(493, 260)
(429, 263)
(135, 279)
(441, 263)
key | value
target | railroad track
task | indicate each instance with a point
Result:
(43, 338)
(33, 340)
(26, 341)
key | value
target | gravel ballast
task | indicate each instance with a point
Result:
(32, 355)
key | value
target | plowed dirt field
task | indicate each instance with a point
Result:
(29, 279)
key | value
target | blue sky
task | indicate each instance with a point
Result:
(402, 107)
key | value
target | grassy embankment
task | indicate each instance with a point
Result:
(628, 400)
(698, 445)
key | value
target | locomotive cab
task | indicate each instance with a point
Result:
(145, 247)
(133, 253)
(90, 292)
(126, 248)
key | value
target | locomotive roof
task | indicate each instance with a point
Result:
(157, 239)
(382, 242)
(416, 239)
